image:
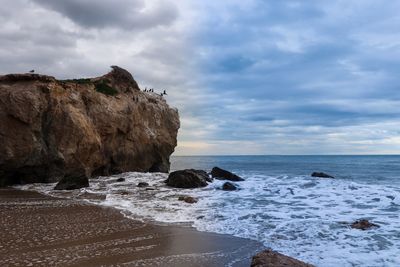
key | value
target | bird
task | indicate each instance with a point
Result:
(165, 92)
(32, 71)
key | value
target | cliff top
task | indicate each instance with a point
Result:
(118, 80)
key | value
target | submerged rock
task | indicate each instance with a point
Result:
(270, 258)
(142, 184)
(119, 180)
(363, 225)
(72, 182)
(188, 199)
(229, 187)
(187, 179)
(100, 126)
(321, 175)
(221, 174)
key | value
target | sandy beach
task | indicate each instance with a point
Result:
(38, 230)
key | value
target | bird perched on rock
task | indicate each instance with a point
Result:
(31, 71)
(165, 92)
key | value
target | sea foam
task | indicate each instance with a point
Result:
(304, 217)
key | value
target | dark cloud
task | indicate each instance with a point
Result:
(125, 14)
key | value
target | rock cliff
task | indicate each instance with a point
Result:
(52, 128)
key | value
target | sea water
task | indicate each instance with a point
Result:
(279, 204)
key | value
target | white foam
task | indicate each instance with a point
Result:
(302, 217)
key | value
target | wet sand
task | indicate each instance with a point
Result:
(38, 230)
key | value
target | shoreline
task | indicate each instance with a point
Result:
(38, 229)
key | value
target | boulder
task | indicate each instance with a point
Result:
(205, 175)
(321, 175)
(104, 126)
(221, 174)
(72, 182)
(270, 258)
(187, 179)
(188, 199)
(229, 187)
(363, 225)
(142, 184)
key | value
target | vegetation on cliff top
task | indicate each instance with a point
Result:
(104, 88)
(78, 81)
(100, 86)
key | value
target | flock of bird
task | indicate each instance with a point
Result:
(151, 90)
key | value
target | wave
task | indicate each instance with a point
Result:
(301, 216)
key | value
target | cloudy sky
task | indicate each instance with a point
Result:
(248, 77)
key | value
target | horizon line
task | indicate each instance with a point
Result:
(293, 155)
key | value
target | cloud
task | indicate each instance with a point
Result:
(248, 77)
(83, 38)
(300, 76)
(126, 14)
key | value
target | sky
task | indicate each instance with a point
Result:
(248, 77)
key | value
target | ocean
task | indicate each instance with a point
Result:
(279, 204)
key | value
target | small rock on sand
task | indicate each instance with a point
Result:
(270, 258)
(72, 182)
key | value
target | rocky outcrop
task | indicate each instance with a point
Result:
(221, 174)
(363, 225)
(72, 182)
(143, 184)
(50, 129)
(270, 258)
(229, 187)
(188, 199)
(205, 175)
(321, 175)
(187, 179)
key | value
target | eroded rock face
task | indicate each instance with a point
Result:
(270, 258)
(101, 126)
